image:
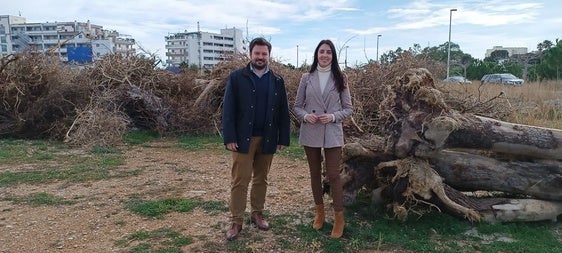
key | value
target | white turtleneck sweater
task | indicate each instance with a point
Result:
(323, 75)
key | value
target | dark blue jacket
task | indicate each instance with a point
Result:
(238, 112)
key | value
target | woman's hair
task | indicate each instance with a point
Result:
(335, 68)
(260, 41)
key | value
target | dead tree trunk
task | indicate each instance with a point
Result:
(475, 132)
(432, 153)
(469, 172)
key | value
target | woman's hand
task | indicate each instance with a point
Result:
(326, 118)
(310, 118)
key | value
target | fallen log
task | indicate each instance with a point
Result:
(540, 179)
(412, 185)
(476, 132)
(431, 153)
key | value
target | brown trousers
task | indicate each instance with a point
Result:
(252, 166)
(333, 158)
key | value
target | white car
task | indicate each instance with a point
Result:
(457, 79)
(503, 78)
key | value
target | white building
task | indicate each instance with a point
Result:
(203, 49)
(510, 50)
(5, 35)
(70, 41)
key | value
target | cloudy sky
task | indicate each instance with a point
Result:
(294, 27)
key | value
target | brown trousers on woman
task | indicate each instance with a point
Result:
(333, 158)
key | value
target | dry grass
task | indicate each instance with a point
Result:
(536, 104)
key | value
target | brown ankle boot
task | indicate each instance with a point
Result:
(319, 217)
(233, 232)
(339, 223)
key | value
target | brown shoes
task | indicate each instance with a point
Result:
(233, 232)
(257, 219)
(235, 229)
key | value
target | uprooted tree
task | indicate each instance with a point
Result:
(434, 157)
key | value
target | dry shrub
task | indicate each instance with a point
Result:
(97, 127)
(537, 104)
(36, 92)
(369, 82)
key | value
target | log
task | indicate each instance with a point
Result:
(523, 210)
(497, 136)
(540, 179)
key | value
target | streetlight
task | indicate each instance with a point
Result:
(449, 44)
(297, 66)
(378, 36)
(345, 63)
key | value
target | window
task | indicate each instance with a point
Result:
(2, 39)
(4, 48)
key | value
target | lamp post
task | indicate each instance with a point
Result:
(378, 36)
(449, 44)
(297, 66)
(345, 63)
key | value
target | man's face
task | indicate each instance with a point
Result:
(259, 57)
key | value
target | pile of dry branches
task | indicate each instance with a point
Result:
(98, 103)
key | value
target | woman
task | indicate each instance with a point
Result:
(323, 101)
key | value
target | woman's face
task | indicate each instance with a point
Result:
(324, 55)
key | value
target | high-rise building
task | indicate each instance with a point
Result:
(69, 41)
(203, 49)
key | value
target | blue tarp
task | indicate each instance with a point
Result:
(79, 54)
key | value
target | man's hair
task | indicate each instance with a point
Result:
(260, 41)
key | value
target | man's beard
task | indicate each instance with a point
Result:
(259, 67)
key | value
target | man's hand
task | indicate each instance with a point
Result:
(233, 146)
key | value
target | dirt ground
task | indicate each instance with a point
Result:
(99, 218)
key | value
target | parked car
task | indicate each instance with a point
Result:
(502, 78)
(457, 79)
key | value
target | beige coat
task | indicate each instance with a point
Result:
(310, 100)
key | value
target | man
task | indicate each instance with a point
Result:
(255, 123)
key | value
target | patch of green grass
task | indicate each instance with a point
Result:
(368, 227)
(205, 142)
(215, 142)
(294, 151)
(41, 198)
(163, 240)
(98, 150)
(26, 151)
(158, 208)
(213, 207)
(65, 167)
(136, 137)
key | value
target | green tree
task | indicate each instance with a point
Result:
(551, 62)
(193, 68)
(499, 55)
(391, 56)
(546, 44)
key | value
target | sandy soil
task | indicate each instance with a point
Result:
(99, 217)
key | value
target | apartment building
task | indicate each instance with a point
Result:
(5, 35)
(203, 49)
(510, 50)
(69, 41)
